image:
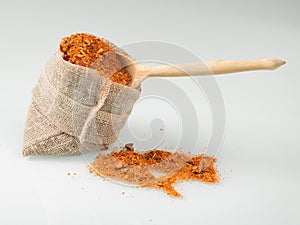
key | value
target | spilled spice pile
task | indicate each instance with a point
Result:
(140, 168)
(90, 51)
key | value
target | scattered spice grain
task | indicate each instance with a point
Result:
(138, 168)
(129, 146)
(90, 51)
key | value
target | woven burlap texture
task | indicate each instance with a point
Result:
(74, 109)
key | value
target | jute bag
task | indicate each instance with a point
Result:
(74, 109)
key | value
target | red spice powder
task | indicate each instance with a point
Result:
(139, 168)
(90, 51)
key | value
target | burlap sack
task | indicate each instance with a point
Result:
(74, 109)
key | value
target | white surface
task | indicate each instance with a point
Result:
(259, 158)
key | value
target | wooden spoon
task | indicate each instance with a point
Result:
(140, 72)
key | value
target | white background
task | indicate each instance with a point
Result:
(259, 158)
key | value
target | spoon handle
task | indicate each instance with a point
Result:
(213, 67)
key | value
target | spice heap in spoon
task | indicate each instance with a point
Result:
(90, 51)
